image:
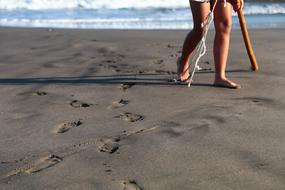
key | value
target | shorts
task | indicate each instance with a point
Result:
(202, 1)
(206, 1)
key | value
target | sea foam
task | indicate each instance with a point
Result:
(250, 8)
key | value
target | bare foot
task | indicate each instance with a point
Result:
(182, 75)
(226, 83)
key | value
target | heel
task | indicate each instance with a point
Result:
(178, 64)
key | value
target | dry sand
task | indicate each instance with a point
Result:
(94, 109)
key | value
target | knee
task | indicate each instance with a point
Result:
(198, 31)
(224, 27)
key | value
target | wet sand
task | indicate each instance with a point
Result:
(95, 109)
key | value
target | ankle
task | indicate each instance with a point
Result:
(220, 78)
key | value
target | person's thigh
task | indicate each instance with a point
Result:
(223, 16)
(200, 12)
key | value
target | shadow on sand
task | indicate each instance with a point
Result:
(138, 79)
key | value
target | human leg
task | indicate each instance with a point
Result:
(200, 12)
(223, 25)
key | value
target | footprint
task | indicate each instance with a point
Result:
(37, 166)
(64, 127)
(79, 104)
(131, 185)
(40, 93)
(107, 169)
(114, 68)
(258, 100)
(126, 86)
(119, 103)
(174, 55)
(158, 62)
(170, 46)
(263, 102)
(170, 128)
(110, 61)
(173, 46)
(253, 160)
(109, 145)
(12, 161)
(44, 163)
(130, 117)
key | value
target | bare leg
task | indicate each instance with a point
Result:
(223, 25)
(200, 12)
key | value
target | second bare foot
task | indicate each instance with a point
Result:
(226, 83)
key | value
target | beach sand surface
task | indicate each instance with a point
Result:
(96, 109)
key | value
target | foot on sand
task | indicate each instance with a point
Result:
(44, 163)
(226, 83)
(118, 104)
(131, 185)
(79, 104)
(64, 127)
(109, 145)
(130, 117)
(183, 75)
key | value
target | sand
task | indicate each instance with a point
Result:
(95, 109)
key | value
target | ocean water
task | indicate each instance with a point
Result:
(124, 14)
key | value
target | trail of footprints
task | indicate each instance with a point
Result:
(104, 145)
(109, 145)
